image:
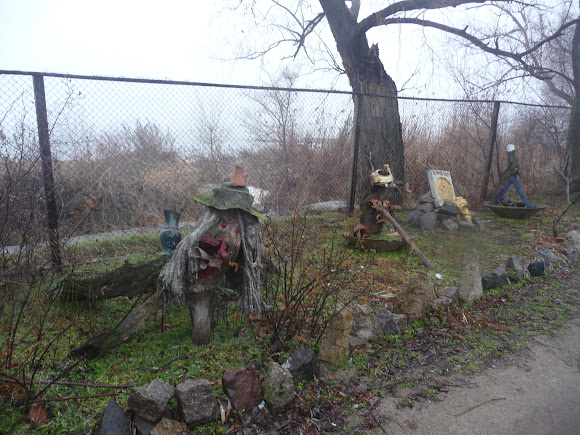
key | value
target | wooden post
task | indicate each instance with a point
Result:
(489, 156)
(46, 160)
(358, 100)
(404, 235)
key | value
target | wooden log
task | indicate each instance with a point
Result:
(200, 295)
(405, 236)
(129, 328)
(131, 279)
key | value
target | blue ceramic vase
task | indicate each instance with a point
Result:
(170, 235)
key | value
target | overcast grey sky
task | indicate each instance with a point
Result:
(189, 40)
(173, 39)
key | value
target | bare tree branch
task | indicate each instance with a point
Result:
(539, 73)
(376, 19)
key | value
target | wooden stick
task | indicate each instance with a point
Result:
(405, 236)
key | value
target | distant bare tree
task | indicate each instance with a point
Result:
(291, 23)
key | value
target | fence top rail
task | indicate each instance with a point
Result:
(262, 88)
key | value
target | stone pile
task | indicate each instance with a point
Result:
(197, 403)
(427, 217)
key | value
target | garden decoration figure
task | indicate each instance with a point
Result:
(225, 238)
(510, 176)
(461, 204)
(383, 177)
(383, 183)
(199, 264)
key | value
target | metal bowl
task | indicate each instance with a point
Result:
(514, 212)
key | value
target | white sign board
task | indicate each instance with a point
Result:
(441, 186)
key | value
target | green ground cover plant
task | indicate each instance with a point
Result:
(306, 254)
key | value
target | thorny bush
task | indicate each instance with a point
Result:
(304, 278)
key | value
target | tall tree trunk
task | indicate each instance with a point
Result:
(381, 131)
(574, 129)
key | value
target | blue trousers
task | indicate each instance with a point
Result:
(517, 185)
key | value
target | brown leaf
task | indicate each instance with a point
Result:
(38, 414)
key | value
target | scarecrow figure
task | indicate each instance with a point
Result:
(228, 234)
(226, 237)
(510, 176)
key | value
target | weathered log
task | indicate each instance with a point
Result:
(129, 328)
(405, 236)
(131, 279)
(219, 246)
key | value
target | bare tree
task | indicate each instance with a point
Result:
(274, 126)
(541, 44)
(378, 112)
(211, 135)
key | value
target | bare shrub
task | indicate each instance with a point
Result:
(302, 280)
(129, 179)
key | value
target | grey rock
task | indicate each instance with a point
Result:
(515, 268)
(197, 401)
(452, 293)
(414, 216)
(537, 268)
(303, 365)
(150, 402)
(466, 227)
(488, 281)
(364, 326)
(501, 276)
(571, 255)
(114, 421)
(390, 323)
(478, 222)
(471, 287)
(278, 386)
(548, 256)
(243, 388)
(327, 206)
(572, 240)
(449, 209)
(144, 427)
(169, 427)
(426, 207)
(449, 225)
(428, 221)
(426, 199)
(442, 301)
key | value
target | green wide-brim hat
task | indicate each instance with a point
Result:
(227, 198)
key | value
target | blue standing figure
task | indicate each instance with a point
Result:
(510, 176)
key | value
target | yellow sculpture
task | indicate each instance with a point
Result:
(461, 204)
(382, 177)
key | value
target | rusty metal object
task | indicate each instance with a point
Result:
(361, 230)
(514, 212)
(238, 178)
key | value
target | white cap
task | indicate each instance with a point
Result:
(511, 147)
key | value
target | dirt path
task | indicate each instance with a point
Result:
(534, 392)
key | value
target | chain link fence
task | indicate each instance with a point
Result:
(123, 150)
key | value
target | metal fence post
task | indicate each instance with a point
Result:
(47, 175)
(358, 99)
(489, 156)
